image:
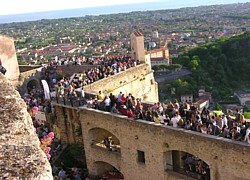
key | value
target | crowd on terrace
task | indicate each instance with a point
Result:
(49, 141)
(35, 99)
(178, 115)
(182, 115)
(99, 60)
(107, 66)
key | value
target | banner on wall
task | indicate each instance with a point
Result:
(46, 89)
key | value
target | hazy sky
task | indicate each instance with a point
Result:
(27, 6)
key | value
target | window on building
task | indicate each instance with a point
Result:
(141, 156)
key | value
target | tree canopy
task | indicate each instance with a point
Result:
(221, 67)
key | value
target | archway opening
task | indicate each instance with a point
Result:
(187, 164)
(104, 139)
(106, 171)
(33, 84)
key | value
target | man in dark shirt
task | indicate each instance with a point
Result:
(235, 134)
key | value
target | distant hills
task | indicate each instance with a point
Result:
(80, 12)
(222, 67)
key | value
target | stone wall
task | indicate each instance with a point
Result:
(26, 77)
(67, 120)
(71, 69)
(24, 68)
(8, 57)
(20, 154)
(226, 158)
(138, 80)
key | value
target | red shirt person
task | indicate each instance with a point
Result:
(130, 113)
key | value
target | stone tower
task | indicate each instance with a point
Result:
(8, 58)
(137, 46)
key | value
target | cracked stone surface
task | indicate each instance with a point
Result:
(20, 154)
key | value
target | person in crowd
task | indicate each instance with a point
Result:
(239, 118)
(203, 128)
(100, 96)
(247, 136)
(119, 96)
(130, 113)
(225, 131)
(82, 96)
(235, 134)
(156, 117)
(114, 109)
(107, 103)
(231, 118)
(62, 174)
(175, 119)
(123, 110)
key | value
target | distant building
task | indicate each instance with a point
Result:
(233, 107)
(204, 99)
(155, 34)
(159, 56)
(202, 103)
(137, 46)
(187, 98)
(243, 97)
(203, 94)
(151, 45)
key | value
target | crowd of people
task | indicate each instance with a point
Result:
(179, 115)
(98, 60)
(228, 125)
(196, 167)
(73, 173)
(108, 66)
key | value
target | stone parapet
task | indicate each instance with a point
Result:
(20, 153)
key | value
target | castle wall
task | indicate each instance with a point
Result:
(67, 120)
(138, 80)
(8, 57)
(20, 154)
(227, 159)
(71, 69)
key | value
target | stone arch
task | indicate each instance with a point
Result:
(33, 82)
(96, 136)
(185, 163)
(28, 82)
(207, 157)
(107, 171)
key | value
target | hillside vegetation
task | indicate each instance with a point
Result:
(221, 67)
